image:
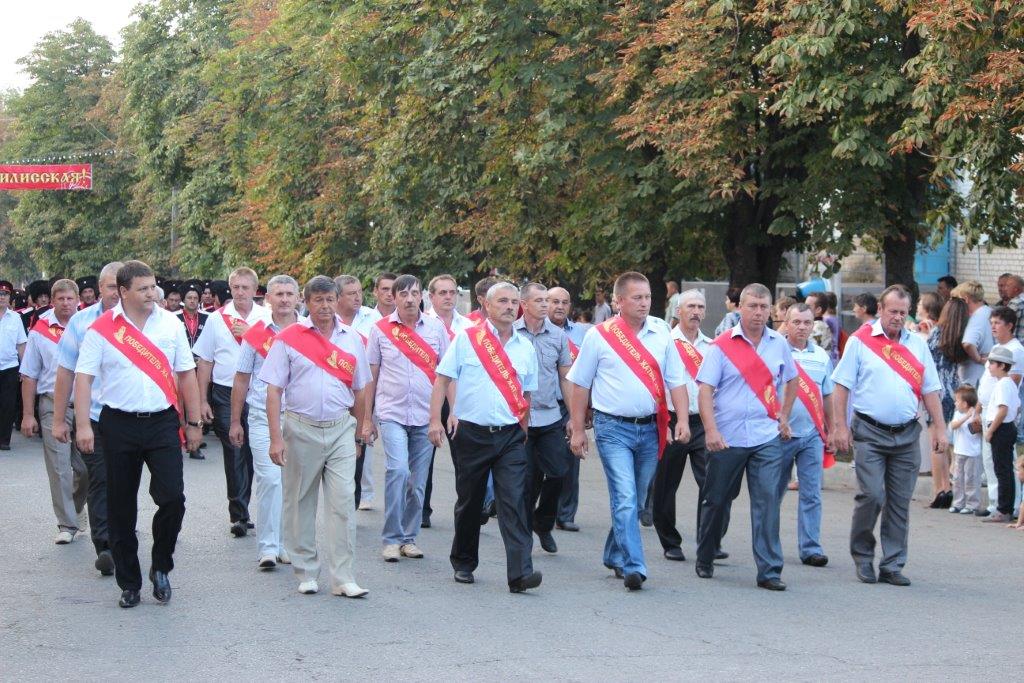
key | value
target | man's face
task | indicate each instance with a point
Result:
(893, 313)
(191, 301)
(599, 296)
(799, 325)
(536, 303)
(559, 305)
(408, 302)
(1000, 328)
(754, 311)
(382, 293)
(1012, 289)
(109, 293)
(691, 312)
(351, 298)
(816, 305)
(442, 299)
(42, 301)
(943, 290)
(88, 296)
(321, 306)
(243, 289)
(5, 299)
(635, 301)
(503, 305)
(141, 293)
(173, 301)
(65, 302)
(207, 297)
(282, 299)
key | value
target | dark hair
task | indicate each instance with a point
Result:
(733, 295)
(221, 290)
(831, 302)
(1004, 313)
(481, 287)
(949, 281)
(932, 303)
(952, 323)
(404, 282)
(968, 393)
(383, 276)
(320, 284)
(1006, 366)
(131, 270)
(868, 301)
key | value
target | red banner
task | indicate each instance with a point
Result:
(501, 371)
(143, 354)
(259, 337)
(46, 177)
(51, 331)
(897, 356)
(810, 395)
(690, 356)
(752, 368)
(413, 346)
(318, 350)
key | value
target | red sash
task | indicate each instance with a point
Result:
(476, 317)
(413, 346)
(51, 331)
(810, 395)
(897, 356)
(637, 358)
(573, 350)
(320, 351)
(228, 320)
(752, 368)
(498, 366)
(144, 354)
(690, 356)
(259, 337)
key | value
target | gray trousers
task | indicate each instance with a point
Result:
(69, 479)
(887, 466)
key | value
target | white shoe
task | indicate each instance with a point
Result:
(83, 521)
(391, 553)
(309, 587)
(410, 550)
(283, 558)
(64, 537)
(349, 590)
(968, 511)
(365, 505)
(268, 562)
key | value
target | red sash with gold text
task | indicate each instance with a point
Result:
(573, 350)
(621, 338)
(228, 320)
(318, 350)
(690, 356)
(810, 395)
(144, 354)
(51, 331)
(413, 346)
(259, 337)
(476, 317)
(498, 366)
(752, 368)
(897, 356)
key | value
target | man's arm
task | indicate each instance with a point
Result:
(788, 397)
(681, 402)
(204, 372)
(841, 432)
(83, 428)
(239, 390)
(28, 403)
(435, 432)
(277, 455)
(21, 351)
(359, 410)
(933, 404)
(578, 401)
(365, 431)
(972, 352)
(713, 440)
(189, 390)
(827, 408)
(61, 399)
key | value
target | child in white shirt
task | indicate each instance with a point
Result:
(966, 453)
(1000, 414)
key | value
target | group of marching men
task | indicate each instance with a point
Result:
(296, 399)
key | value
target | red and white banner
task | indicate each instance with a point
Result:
(46, 177)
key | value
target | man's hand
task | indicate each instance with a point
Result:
(368, 433)
(236, 435)
(194, 437)
(435, 432)
(277, 450)
(785, 431)
(714, 441)
(589, 422)
(841, 440)
(84, 439)
(60, 432)
(206, 412)
(29, 427)
(578, 442)
(239, 327)
(681, 434)
(453, 426)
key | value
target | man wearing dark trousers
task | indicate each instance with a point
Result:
(559, 307)
(495, 369)
(12, 345)
(138, 350)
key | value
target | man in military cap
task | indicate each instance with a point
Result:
(39, 298)
(191, 313)
(87, 287)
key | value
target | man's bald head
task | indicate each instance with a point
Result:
(559, 305)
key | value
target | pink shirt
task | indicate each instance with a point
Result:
(403, 390)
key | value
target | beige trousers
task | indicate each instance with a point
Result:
(320, 453)
(69, 478)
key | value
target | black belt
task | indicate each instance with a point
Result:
(645, 420)
(892, 429)
(488, 429)
(140, 416)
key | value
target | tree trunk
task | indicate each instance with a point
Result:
(750, 252)
(899, 253)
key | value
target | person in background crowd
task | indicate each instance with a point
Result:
(602, 311)
(732, 315)
(480, 289)
(865, 308)
(172, 299)
(821, 333)
(87, 288)
(584, 316)
(977, 339)
(944, 287)
(206, 300)
(1011, 290)
(1006, 288)
(671, 301)
(966, 452)
(930, 317)
(559, 306)
(39, 299)
(382, 294)
(12, 346)
(191, 315)
(929, 308)
(1000, 414)
(779, 311)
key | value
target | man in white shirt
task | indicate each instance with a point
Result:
(978, 336)
(12, 346)
(217, 351)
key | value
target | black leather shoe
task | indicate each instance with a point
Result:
(568, 526)
(937, 502)
(196, 455)
(161, 585)
(982, 512)
(646, 518)
(547, 542)
(425, 522)
(105, 563)
(464, 577)
(249, 525)
(524, 583)
(5, 446)
(675, 554)
(721, 555)
(634, 582)
(893, 578)
(866, 572)
(705, 571)
(239, 529)
(129, 598)
(772, 584)
(816, 560)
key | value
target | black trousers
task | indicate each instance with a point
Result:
(669, 475)
(427, 510)
(569, 498)
(548, 461)
(10, 395)
(503, 454)
(1003, 440)
(237, 461)
(360, 452)
(96, 496)
(128, 442)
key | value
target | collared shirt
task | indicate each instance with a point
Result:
(459, 322)
(552, 347)
(250, 362)
(988, 382)
(876, 390)
(309, 390)
(576, 331)
(601, 313)
(978, 333)
(12, 335)
(124, 385)
(217, 345)
(67, 351)
(614, 387)
(477, 399)
(739, 414)
(364, 320)
(403, 390)
(818, 366)
(40, 361)
(702, 344)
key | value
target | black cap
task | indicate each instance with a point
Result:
(220, 289)
(6, 286)
(39, 288)
(87, 282)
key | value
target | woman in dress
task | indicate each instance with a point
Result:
(946, 327)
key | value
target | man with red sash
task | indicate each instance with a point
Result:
(319, 365)
(809, 423)
(488, 373)
(216, 353)
(626, 366)
(403, 352)
(69, 478)
(889, 372)
(139, 353)
(741, 379)
(249, 391)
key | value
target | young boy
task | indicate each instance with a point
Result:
(967, 453)
(1001, 412)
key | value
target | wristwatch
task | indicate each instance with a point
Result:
(194, 424)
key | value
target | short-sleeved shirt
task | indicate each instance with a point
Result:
(1017, 305)
(978, 333)
(477, 399)
(818, 366)
(403, 390)
(875, 388)
(614, 387)
(250, 362)
(12, 335)
(364, 320)
(601, 313)
(40, 360)
(217, 345)
(987, 382)
(308, 390)
(702, 345)
(1005, 393)
(68, 348)
(965, 443)
(459, 322)
(552, 347)
(124, 385)
(576, 331)
(740, 416)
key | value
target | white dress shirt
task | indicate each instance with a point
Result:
(40, 361)
(702, 345)
(217, 345)
(12, 335)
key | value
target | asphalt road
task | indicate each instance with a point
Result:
(59, 619)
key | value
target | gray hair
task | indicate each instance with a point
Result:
(287, 280)
(320, 284)
(110, 270)
(756, 290)
(498, 286)
(692, 294)
(344, 280)
(160, 292)
(529, 287)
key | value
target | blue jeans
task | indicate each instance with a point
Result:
(629, 453)
(806, 452)
(407, 451)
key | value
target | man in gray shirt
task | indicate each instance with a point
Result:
(977, 339)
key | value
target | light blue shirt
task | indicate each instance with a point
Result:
(477, 399)
(614, 387)
(12, 335)
(576, 331)
(818, 365)
(552, 347)
(739, 414)
(880, 393)
(250, 362)
(702, 345)
(979, 333)
(71, 342)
